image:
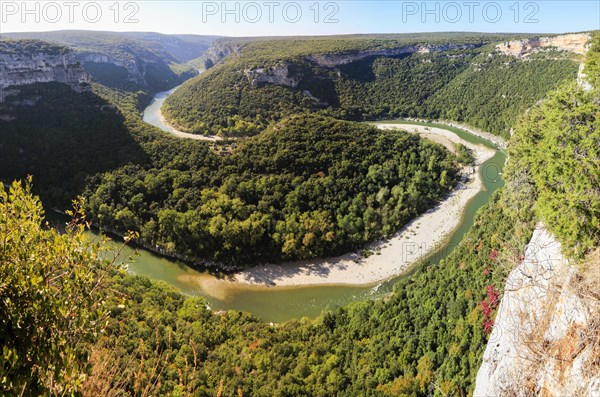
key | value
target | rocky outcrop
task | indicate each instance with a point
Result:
(26, 63)
(582, 78)
(279, 75)
(332, 60)
(543, 339)
(23, 67)
(577, 43)
(219, 50)
(133, 68)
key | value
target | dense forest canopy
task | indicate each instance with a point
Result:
(308, 187)
(557, 145)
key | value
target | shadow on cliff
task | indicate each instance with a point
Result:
(61, 137)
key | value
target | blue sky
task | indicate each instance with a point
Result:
(282, 17)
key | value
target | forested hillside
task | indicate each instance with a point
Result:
(463, 78)
(309, 186)
(62, 140)
(494, 91)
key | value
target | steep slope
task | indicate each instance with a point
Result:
(495, 88)
(31, 61)
(545, 334)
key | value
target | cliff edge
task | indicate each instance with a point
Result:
(25, 62)
(546, 337)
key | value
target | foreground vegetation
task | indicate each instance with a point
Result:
(52, 290)
(557, 145)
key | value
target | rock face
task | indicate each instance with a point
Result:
(279, 75)
(27, 67)
(577, 43)
(133, 67)
(128, 60)
(582, 78)
(542, 341)
(219, 50)
(332, 60)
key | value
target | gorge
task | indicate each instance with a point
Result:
(398, 257)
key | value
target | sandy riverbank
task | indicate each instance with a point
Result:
(418, 239)
(496, 140)
(186, 135)
(153, 115)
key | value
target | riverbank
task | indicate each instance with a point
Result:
(153, 115)
(187, 135)
(417, 240)
(496, 140)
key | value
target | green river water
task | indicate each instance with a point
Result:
(280, 304)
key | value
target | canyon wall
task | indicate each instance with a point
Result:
(332, 60)
(279, 75)
(576, 43)
(219, 50)
(27, 67)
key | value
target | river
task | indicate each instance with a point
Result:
(280, 304)
(152, 115)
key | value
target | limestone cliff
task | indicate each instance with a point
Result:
(332, 60)
(545, 339)
(129, 60)
(134, 67)
(279, 75)
(576, 43)
(219, 50)
(282, 75)
(23, 63)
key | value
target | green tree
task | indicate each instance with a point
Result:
(51, 298)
